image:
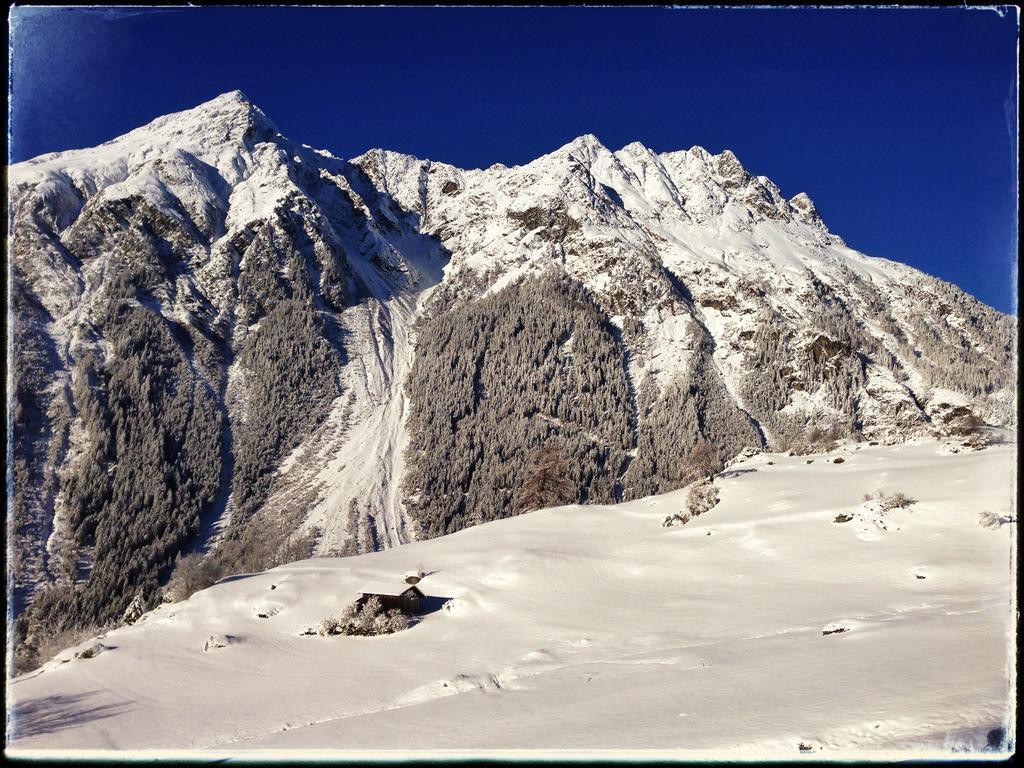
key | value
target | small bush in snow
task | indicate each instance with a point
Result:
(677, 519)
(815, 440)
(331, 625)
(980, 439)
(367, 619)
(992, 520)
(897, 500)
(218, 641)
(89, 652)
(702, 497)
(391, 621)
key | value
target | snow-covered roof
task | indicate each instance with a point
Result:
(389, 588)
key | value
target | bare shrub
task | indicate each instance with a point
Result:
(192, 574)
(548, 484)
(680, 518)
(701, 463)
(298, 546)
(816, 439)
(898, 500)
(822, 440)
(979, 439)
(257, 548)
(888, 501)
(41, 647)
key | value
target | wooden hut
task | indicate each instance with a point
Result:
(401, 595)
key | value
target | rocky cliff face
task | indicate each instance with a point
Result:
(223, 338)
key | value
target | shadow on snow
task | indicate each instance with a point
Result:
(58, 712)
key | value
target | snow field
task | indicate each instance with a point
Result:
(595, 628)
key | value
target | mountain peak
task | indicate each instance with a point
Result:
(805, 208)
(228, 99)
(226, 122)
(230, 116)
(231, 103)
(235, 96)
(637, 148)
(726, 162)
(588, 140)
(729, 168)
(585, 147)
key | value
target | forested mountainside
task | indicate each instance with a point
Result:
(227, 342)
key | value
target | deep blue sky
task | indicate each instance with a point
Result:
(900, 124)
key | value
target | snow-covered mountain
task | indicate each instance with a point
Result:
(227, 340)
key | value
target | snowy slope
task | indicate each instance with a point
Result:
(677, 248)
(576, 629)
